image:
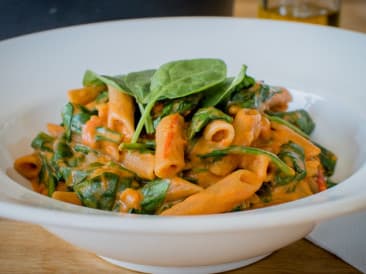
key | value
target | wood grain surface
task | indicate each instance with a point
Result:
(27, 248)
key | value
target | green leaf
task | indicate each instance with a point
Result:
(91, 79)
(203, 116)
(179, 79)
(293, 155)
(218, 154)
(184, 106)
(299, 118)
(43, 142)
(67, 119)
(82, 148)
(215, 96)
(98, 192)
(252, 98)
(139, 84)
(265, 193)
(62, 151)
(154, 193)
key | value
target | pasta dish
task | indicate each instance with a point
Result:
(181, 139)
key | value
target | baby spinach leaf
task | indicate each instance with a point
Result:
(43, 142)
(154, 193)
(183, 106)
(67, 119)
(181, 78)
(218, 154)
(328, 160)
(252, 98)
(215, 96)
(106, 134)
(62, 151)
(299, 118)
(91, 79)
(102, 97)
(47, 175)
(293, 155)
(203, 116)
(98, 192)
(265, 193)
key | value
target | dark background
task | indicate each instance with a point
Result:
(26, 16)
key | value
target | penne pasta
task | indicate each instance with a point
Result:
(180, 189)
(85, 95)
(28, 166)
(121, 113)
(68, 197)
(284, 134)
(223, 196)
(170, 142)
(142, 164)
(219, 132)
(247, 125)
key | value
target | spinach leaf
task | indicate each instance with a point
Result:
(215, 96)
(98, 192)
(66, 120)
(62, 151)
(265, 193)
(43, 142)
(330, 183)
(218, 154)
(299, 118)
(154, 193)
(179, 79)
(80, 118)
(203, 116)
(47, 175)
(183, 106)
(293, 155)
(327, 158)
(91, 79)
(254, 97)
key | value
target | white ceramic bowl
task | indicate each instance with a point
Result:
(326, 64)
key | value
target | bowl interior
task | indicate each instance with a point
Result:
(337, 128)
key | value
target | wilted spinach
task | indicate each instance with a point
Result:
(293, 155)
(299, 118)
(215, 95)
(43, 142)
(254, 97)
(154, 193)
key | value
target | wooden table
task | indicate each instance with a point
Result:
(26, 248)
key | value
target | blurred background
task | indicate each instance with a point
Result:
(19, 17)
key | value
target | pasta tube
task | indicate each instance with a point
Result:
(28, 166)
(219, 132)
(140, 163)
(68, 197)
(284, 134)
(169, 154)
(84, 95)
(247, 125)
(220, 197)
(180, 189)
(121, 113)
